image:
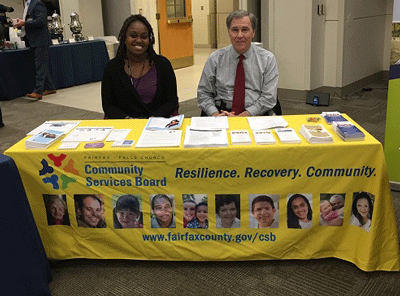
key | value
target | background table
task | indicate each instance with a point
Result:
(70, 64)
(26, 270)
(247, 170)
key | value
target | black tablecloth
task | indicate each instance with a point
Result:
(26, 270)
(70, 64)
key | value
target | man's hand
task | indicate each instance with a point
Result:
(20, 23)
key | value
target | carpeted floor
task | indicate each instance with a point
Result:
(284, 277)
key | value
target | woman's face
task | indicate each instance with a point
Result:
(126, 218)
(57, 210)
(189, 210)
(137, 38)
(163, 211)
(363, 207)
(300, 208)
(227, 213)
(202, 213)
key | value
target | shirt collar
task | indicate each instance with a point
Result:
(236, 55)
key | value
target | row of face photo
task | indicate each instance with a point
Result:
(263, 210)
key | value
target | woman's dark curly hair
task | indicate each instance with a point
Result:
(122, 53)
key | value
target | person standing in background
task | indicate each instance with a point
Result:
(34, 30)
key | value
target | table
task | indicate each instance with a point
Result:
(280, 170)
(70, 64)
(27, 270)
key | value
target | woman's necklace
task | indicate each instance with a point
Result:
(140, 74)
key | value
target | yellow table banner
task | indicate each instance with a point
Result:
(241, 202)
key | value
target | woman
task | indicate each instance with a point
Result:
(362, 209)
(127, 212)
(163, 212)
(138, 83)
(299, 212)
(227, 209)
(201, 220)
(189, 211)
(57, 212)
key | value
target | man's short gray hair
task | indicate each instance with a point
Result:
(240, 14)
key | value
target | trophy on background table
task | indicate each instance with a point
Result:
(55, 27)
(76, 27)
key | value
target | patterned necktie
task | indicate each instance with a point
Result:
(239, 89)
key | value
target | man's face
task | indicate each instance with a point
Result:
(264, 213)
(337, 202)
(91, 211)
(241, 33)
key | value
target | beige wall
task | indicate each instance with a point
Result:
(201, 26)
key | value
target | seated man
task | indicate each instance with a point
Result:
(220, 92)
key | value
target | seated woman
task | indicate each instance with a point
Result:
(299, 212)
(138, 83)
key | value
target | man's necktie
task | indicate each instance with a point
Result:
(239, 89)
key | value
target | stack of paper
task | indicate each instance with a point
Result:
(64, 126)
(288, 135)
(205, 138)
(209, 123)
(266, 122)
(161, 123)
(264, 137)
(159, 138)
(348, 131)
(43, 139)
(240, 137)
(315, 134)
(332, 116)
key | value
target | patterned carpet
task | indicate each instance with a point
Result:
(289, 277)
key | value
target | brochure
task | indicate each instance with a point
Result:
(68, 145)
(264, 137)
(64, 126)
(240, 137)
(332, 116)
(266, 122)
(159, 138)
(118, 135)
(205, 138)
(209, 123)
(161, 123)
(348, 131)
(43, 139)
(315, 134)
(288, 135)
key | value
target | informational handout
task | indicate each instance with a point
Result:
(159, 138)
(88, 134)
(209, 123)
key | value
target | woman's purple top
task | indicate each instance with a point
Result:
(146, 86)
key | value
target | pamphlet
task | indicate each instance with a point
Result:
(88, 134)
(68, 145)
(266, 122)
(209, 123)
(205, 138)
(288, 135)
(64, 126)
(240, 137)
(347, 131)
(94, 145)
(161, 123)
(315, 134)
(125, 143)
(43, 139)
(159, 138)
(264, 137)
(332, 116)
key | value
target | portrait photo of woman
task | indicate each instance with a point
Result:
(362, 209)
(162, 211)
(127, 212)
(227, 208)
(56, 209)
(299, 211)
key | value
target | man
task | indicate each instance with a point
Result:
(263, 209)
(337, 202)
(217, 87)
(34, 24)
(89, 211)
